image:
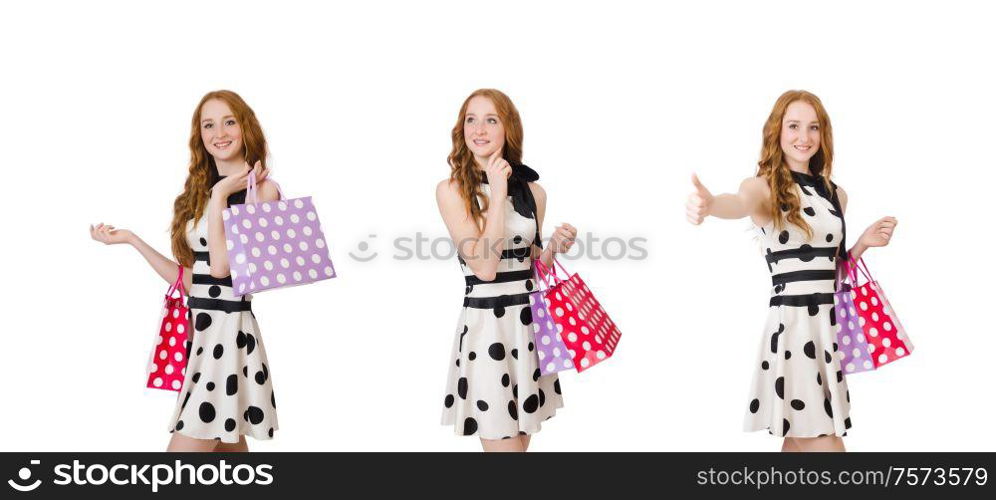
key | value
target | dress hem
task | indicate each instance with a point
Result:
(450, 420)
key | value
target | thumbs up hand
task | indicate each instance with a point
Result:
(699, 203)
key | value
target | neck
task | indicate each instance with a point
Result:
(480, 162)
(229, 167)
(802, 168)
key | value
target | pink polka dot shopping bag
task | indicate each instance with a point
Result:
(274, 244)
(168, 362)
(581, 322)
(869, 334)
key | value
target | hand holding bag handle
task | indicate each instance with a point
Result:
(548, 272)
(854, 266)
(177, 285)
(252, 196)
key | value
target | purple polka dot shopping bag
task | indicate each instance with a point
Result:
(274, 244)
(550, 348)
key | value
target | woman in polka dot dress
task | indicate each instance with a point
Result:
(798, 390)
(226, 392)
(494, 211)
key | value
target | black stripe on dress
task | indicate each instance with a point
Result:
(804, 253)
(228, 306)
(502, 277)
(805, 275)
(516, 253)
(499, 301)
(813, 299)
(203, 256)
(207, 279)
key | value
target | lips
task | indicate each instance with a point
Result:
(222, 144)
(804, 149)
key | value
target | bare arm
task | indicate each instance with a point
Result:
(876, 235)
(481, 250)
(751, 200)
(163, 266)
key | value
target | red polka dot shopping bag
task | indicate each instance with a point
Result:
(274, 244)
(168, 362)
(583, 325)
(869, 334)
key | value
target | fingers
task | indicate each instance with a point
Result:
(700, 188)
(695, 208)
(697, 183)
(563, 237)
(494, 156)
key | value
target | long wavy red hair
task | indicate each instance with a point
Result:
(463, 168)
(203, 173)
(785, 203)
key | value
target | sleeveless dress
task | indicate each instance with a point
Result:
(494, 389)
(798, 388)
(226, 390)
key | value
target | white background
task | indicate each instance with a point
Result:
(620, 102)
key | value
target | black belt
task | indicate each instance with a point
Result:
(813, 299)
(499, 301)
(228, 306)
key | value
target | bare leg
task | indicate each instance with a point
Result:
(241, 447)
(826, 443)
(790, 446)
(524, 439)
(502, 445)
(181, 443)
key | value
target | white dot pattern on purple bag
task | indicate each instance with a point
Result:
(290, 250)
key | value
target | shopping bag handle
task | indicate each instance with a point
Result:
(177, 285)
(251, 195)
(543, 275)
(548, 272)
(854, 266)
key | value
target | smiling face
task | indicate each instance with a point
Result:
(800, 138)
(220, 131)
(483, 130)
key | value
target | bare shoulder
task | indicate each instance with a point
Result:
(447, 188)
(756, 185)
(448, 195)
(538, 192)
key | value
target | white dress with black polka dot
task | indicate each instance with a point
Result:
(226, 389)
(494, 389)
(798, 388)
